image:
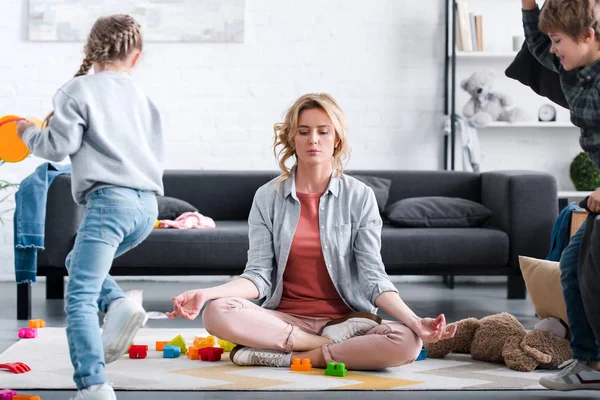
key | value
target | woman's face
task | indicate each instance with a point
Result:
(315, 138)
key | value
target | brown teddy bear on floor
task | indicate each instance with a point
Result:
(501, 338)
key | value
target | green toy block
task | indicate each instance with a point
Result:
(179, 341)
(336, 369)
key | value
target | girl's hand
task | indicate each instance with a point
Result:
(188, 304)
(431, 330)
(22, 126)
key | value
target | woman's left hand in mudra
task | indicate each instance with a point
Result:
(432, 330)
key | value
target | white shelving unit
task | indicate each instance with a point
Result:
(486, 54)
(531, 124)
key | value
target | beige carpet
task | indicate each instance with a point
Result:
(51, 369)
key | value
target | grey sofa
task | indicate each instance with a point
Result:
(524, 206)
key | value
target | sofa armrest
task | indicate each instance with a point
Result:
(525, 206)
(63, 216)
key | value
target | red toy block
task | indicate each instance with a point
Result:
(303, 365)
(25, 397)
(138, 351)
(7, 394)
(37, 323)
(210, 353)
(28, 333)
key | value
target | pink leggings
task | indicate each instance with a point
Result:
(240, 321)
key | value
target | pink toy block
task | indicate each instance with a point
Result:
(7, 394)
(27, 333)
(210, 353)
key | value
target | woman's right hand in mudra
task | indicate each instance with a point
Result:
(188, 304)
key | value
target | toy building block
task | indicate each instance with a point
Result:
(171, 351)
(7, 394)
(160, 346)
(201, 342)
(138, 351)
(336, 369)
(179, 341)
(28, 333)
(37, 323)
(422, 355)
(210, 353)
(192, 353)
(301, 365)
(25, 397)
(226, 346)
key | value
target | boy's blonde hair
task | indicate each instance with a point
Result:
(112, 38)
(285, 132)
(573, 17)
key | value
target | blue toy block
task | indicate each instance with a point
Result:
(171, 351)
(336, 369)
(422, 355)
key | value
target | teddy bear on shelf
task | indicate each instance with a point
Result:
(501, 338)
(486, 106)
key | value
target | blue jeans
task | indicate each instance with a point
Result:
(115, 221)
(583, 342)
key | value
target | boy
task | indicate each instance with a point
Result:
(565, 37)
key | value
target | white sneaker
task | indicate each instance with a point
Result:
(122, 321)
(96, 392)
(241, 355)
(575, 375)
(353, 324)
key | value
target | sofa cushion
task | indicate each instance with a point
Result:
(226, 246)
(441, 246)
(380, 186)
(171, 208)
(437, 211)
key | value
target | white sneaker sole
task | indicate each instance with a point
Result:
(568, 386)
(118, 348)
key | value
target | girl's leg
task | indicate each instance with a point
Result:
(387, 345)
(243, 322)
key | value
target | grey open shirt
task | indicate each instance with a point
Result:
(350, 228)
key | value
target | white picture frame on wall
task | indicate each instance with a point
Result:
(213, 21)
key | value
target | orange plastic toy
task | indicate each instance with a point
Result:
(12, 149)
(37, 323)
(25, 397)
(305, 365)
(201, 342)
(160, 346)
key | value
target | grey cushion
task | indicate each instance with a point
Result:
(171, 208)
(380, 186)
(437, 211)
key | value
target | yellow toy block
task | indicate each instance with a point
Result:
(179, 341)
(160, 346)
(37, 323)
(201, 342)
(226, 346)
(192, 354)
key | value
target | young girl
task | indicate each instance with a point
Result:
(112, 132)
(315, 259)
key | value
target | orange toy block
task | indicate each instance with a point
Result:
(201, 342)
(210, 353)
(160, 346)
(37, 323)
(25, 397)
(192, 353)
(303, 365)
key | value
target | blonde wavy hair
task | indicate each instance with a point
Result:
(284, 146)
(573, 17)
(112, 38)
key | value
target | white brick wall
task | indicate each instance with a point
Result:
(382, 60)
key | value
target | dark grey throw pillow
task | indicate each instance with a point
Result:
(171, 208)
(380, 186)
(437, 212)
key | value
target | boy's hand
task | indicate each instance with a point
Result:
(594, 202)
(528, 4)
(22, 126)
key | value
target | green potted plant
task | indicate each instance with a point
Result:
(584, 173)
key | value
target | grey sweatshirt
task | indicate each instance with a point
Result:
(110, 129)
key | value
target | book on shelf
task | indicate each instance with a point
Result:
(469, 28)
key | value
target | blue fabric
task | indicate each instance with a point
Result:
(583, 342)
(561, 232)
(115, 221)
(30, 218)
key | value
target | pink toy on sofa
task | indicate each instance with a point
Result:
(188, 220)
